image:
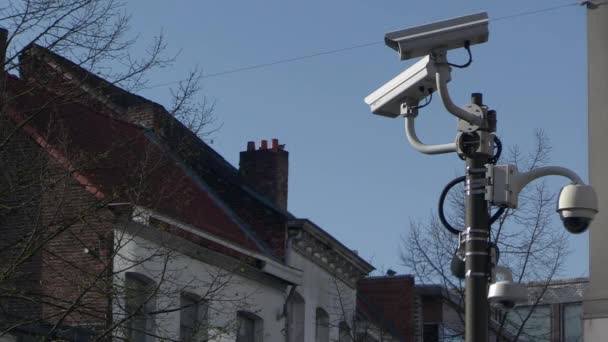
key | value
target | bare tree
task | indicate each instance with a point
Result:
(93, 35)
(60, 224)
(357, 319)
(528, 242)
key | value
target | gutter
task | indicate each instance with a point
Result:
(269, 266)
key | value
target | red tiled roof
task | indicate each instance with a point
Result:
(118, 160)
(260, 215)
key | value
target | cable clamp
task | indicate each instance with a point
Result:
(475, 239)
(470, 230)
(470, 274)
(476, 253)
(476, 192)
(474, 170)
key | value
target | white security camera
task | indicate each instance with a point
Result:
(443, 35)
(409, 87)
(505, 292)
(577, 206)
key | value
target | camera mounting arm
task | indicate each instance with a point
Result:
(419, 146)
(505, 182)
(409, 110)
(526, 177)
(576, 204)
(442, 76)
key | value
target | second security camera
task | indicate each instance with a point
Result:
(410, 86)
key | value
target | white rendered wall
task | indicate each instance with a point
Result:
(595, 329)
(595, 300)
(320, 289)
(175, 271)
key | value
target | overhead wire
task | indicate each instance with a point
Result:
(364, 45)
(547, 9)
(280, 61)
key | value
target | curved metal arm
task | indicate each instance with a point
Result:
(441, 75)
(412, 138)
(525, 178)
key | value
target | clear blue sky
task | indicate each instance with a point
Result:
(351, 172)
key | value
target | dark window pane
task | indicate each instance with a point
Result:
(296, 318)
(190, 318)
(536, 325)
(573, 322)
(321, 326)
(430, 333)
(139, 304)
(245, 329)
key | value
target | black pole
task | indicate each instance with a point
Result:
(476, 246)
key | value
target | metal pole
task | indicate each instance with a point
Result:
(476, 246)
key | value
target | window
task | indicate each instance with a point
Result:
(295, 316)
(139, 304)
(249, 327)
(321, 326)
(192, 318)
(344, 332)
(536, 328)
(572, 322)
(430, 332)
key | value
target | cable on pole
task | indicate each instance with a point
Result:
(441, 212)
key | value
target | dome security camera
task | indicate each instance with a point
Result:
(507, 293)
(577, 206)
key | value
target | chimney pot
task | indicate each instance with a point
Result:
(264, 145)
(275, 144)
(250, 146)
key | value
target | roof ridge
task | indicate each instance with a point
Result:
(92, 110)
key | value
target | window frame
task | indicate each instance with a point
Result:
(321, 335)
(200, 330)
(296, 309)
(139, 282)
(258, 325)
(563, 319)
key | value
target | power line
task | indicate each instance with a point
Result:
(548, 9)
(281, 61)
(363, 45)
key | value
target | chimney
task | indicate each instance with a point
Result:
(266, 170)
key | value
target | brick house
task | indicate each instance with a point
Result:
(117, 221)
(390, 302)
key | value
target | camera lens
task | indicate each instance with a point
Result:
(576, 225)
